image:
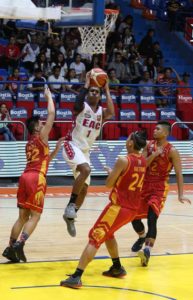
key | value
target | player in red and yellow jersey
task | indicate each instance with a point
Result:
(161, 158)
(32, 183)
(126, 181)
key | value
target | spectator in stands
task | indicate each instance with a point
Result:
(134, 70)
(12, 53)
(37, 82)
(146, 44)
(79, 67)
(71, 77)
(151, 68)
(29, 53)
(173, 6)
(2, 85)
(57, 81)
(157, 54)
(127, 22)
(132, 50)
(42, 63)
(119, 48)
(167, 93)
(2, 57)
(60, 62)
(118, 66)
(96, 62)
(113, 80)
(127, 38)
(4, 129)
(184, 89)
(46, 48)
(69, 57)
(14, 87)
(55, 49)
(147, 89)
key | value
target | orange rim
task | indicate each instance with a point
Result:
(111, 12)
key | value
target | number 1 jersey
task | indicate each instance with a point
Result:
(87, 127)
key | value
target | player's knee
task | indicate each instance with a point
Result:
(96, 236)
(85, 171)
(23, 218)
(138, 226)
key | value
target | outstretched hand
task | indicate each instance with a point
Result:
(60, 143)
(87, 81)
(47, 93)
(183, 199)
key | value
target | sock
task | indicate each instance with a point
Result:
(77, 273)
(143, 235)
(73, 198)
(116, 263)
(12, 241)
(23, 238)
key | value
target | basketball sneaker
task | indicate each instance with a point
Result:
(144, 255)
(18, 248)
(138, 244)
(72, 282)
(113, 272)
(9, 253)
(70, 226)
(70, 211)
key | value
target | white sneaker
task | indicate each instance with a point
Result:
(70, 211)
(70, 226)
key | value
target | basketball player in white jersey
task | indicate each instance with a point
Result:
(89, 118)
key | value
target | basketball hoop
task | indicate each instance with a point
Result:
(94, 37)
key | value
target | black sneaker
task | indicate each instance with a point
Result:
(72, 282)
(144, 256)
(18, 248)
(138, 245)
(113, 272)
(9, 253)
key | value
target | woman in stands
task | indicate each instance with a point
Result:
(4, 129)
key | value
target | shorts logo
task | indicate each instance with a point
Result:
(98, 234)
(69, 150)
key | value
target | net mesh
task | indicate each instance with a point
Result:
(94, 37)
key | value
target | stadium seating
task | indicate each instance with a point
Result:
(67, 100)
(18, 114)
(64, 124)
(127, 128)
(149, 115)
(26, 100)
(6, 97)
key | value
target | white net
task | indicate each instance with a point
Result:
(94, 37)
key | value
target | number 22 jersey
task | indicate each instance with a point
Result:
(37, 154)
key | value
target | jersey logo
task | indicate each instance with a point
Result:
(86, 115)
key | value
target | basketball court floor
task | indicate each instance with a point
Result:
(52, 253)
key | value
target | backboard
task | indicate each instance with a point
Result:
(76, 13)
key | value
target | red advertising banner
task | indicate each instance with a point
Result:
(189, 30)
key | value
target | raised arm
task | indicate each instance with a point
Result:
(57, 148)
(44, 133)
(108, 112)
(80, 98)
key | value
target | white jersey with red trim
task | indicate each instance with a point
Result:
(87, 127)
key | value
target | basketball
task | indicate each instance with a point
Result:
(98, 77)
